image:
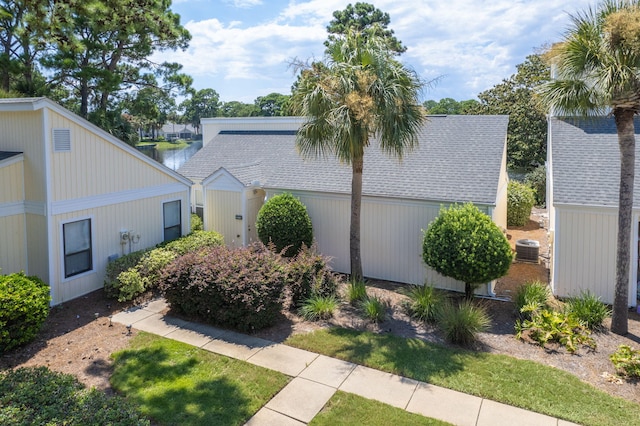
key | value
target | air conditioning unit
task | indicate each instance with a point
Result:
(527, 250)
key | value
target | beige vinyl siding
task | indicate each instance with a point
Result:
(13, 256)
(12, 179)
(220, 215)
(391, 236)
(392, 242)
(585, 251)
(143, 217)
(97, 166)
(37, 244)
(22, 132)
(330, 219)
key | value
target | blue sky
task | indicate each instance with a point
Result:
(242, 48)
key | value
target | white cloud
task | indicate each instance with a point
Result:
(244, 4)
(474, 44)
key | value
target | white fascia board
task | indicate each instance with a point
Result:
(12, 160)
(102, 200)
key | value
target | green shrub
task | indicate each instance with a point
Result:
(240, 288)
(130, 284)
(137, 272)
(283, 221)
(356, 292)
(38, 396)
(531, 297)
(195, 241)
(196, 223)
(550, 326)
(116, 267)
(588, 309)
(461, 323)
(424, 302)
(520, 200)
(374, 308)
(537, 180)
(145, 275)
(318, 307)
(626, 361)
(24, 306)
(465, 244)
(308, 274)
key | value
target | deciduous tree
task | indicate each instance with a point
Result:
(366, 19)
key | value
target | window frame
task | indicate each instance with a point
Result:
(177, 226)
(89, 250)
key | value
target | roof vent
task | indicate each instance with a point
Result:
(527, 250)
(61, 140)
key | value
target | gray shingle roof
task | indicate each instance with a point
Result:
(586, 161)
(8, 154)
(458, 159)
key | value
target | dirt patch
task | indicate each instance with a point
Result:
(75, 340)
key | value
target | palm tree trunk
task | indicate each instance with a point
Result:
(627, 142)
(354, 233)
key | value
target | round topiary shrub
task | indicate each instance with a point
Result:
(520, 200)
(465, 244)
(283, 221)
(24, 306)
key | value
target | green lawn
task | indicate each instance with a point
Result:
(349, 409)
(165, 145)
(175, 383)
(520, 383)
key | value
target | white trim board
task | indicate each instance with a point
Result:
(102, 200)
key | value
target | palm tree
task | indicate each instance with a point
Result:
(359, 91)
(598, 71)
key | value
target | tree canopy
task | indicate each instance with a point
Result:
(363, 18)
(516, 97)
(450, 106)
(202, 104)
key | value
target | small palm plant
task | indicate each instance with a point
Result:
(461, 323)
(424, 302)
(318, 307)
(374, 308)
(356, 292)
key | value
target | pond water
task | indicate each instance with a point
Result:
(172, 158)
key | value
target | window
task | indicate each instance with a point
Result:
(77, 247)
(172, 220)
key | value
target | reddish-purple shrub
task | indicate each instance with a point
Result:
(240, 288)
(307, 275)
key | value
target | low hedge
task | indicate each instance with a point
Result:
(240, 288)
(39, 396)
(520, 200)
(24, 306)
(137, 272)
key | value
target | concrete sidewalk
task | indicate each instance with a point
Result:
(317, 377)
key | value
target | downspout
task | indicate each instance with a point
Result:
(46, 137)
(490, 292)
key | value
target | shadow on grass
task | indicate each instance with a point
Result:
(173, 388)
(406, 357)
